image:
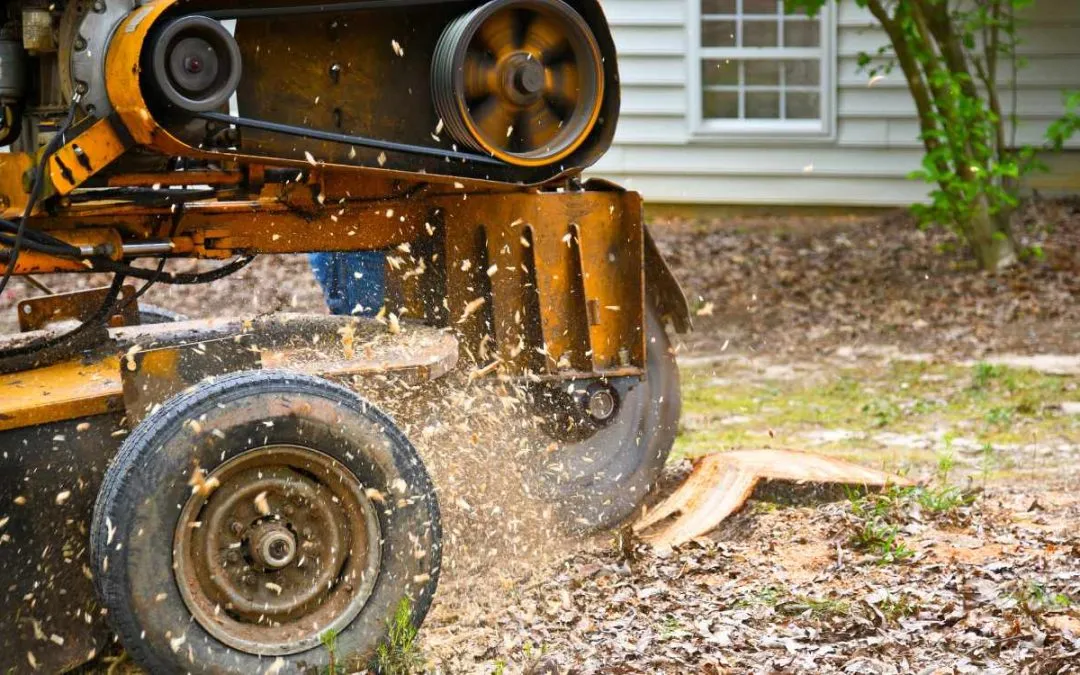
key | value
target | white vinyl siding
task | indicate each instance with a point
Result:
(871, 149)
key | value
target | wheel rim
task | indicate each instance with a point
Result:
(284, 548)
(520, 79)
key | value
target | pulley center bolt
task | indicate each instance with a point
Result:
(273, 546)
(529, 78)
(522, 78)
(193, 64)
(601, 405)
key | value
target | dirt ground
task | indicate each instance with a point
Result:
(861, 337)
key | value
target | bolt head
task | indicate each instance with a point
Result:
(601, 405)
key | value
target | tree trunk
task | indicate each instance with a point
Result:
(990, 238)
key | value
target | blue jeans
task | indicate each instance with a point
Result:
(352, 283)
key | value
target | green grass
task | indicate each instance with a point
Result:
(726, 408)
(399, 654)
(329, 642)
(881, 539)
(1035, 598)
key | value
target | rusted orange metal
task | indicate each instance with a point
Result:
(106, 241)
(63, 391)
(38, 313)
(94, 385)
(178, 179)
(15, 168)
(87, 154)
(571, 262)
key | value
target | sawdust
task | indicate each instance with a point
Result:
(801, 563)
(481, 446)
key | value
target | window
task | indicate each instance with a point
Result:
(758, 70)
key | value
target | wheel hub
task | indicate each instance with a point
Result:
(273, 546)
(522, 79)
(286, 548)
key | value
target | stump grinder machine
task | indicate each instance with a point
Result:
(205, 489)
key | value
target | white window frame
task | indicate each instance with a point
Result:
(823, 129)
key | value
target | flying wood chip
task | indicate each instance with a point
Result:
(720, 484)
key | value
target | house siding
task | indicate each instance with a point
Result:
(875, 144)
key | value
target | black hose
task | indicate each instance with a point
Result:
(36, 186)
(145, 287)
(171, 278)
(49, 350)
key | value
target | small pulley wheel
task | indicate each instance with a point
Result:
(522, 80)
(195, 64)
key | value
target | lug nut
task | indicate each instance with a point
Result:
(236, 527)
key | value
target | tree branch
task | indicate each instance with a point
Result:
(920, 92)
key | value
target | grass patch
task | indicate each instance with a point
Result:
(865, 413)
(894, 608)
(881, 540)
(878, 517)
(399, 654)
(1035, 598)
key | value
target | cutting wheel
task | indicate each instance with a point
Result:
(519, 79)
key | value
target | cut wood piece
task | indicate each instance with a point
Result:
(720, 484)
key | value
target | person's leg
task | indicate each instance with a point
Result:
(352, 283)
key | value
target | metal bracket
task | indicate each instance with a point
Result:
(38, 313)
(154, 376)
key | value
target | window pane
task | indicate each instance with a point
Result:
(720, 72)
(803, 73)
(718, 7)
(802, 34)
(760, 34)
(721, 105)
(803, 105)
(760, 6)
(718, 33)
(762, 105)
(763, 73)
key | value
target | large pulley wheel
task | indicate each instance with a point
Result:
(253, 515)
(522, 80)
(602, 479)
(195, 64)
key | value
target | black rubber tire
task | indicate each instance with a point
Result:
(152, 314)
(139, 504)
(600, 482)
